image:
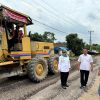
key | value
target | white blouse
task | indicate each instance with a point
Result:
(64, 64)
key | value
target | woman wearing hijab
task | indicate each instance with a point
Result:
(64, 67)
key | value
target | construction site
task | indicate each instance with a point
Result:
(29, 69)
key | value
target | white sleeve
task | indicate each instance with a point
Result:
(69, 63)
(91, 59)
(79, 59)
(59, 62)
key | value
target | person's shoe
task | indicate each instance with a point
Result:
(81, 87)
(84, 86)
(67, 85)
(64, 87)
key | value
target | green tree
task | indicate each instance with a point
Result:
(74, 43)
(36, 37)
(49, 37)
(46, 37)
(96, 47)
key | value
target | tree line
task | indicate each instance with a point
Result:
(45, 37)
(73, 42)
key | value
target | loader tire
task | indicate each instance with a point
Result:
(53, 64)
(37, 69)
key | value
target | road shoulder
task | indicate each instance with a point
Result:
(92, 93)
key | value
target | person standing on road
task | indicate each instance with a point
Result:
(85, 64)
(64, 67)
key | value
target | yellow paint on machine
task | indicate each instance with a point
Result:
(4, 42)
(25, 57)
(26, 49)
(26, 44)
(6, 63)
(42, 47)
(21, 53)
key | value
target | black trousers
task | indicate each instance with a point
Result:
(64, 77)
(84, 74)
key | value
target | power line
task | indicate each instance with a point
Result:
(56, 16)
(61, 13)
(49, 26)
(53, 13)
(45, 8)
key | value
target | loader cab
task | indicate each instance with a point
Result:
(13, 33)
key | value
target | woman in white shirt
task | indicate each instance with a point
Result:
(64, 67)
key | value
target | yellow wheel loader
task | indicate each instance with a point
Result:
(18, 54)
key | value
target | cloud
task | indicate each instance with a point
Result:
(92, 17)
(70, 16)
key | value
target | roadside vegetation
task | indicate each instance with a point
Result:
(72, 41)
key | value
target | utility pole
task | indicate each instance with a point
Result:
(90, 39)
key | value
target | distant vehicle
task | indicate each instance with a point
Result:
(93, 52)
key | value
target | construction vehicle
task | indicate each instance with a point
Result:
(24, 56)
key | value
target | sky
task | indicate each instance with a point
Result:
(66, 16)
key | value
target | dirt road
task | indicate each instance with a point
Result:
(21, 88)
(92, 93)
(55, 92)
